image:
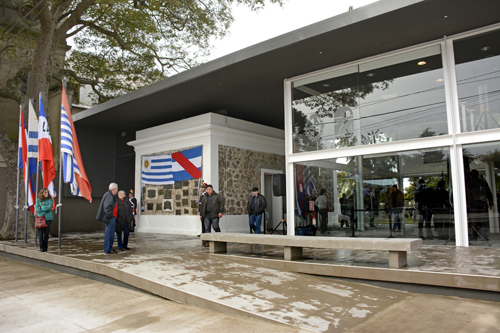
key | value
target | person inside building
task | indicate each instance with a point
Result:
(396, 202)
(124, 220)
(344, 211)
(256, 206)
(423, 201)
(441, 210)
(371, 205)
(479, 200)
(212, 207)
(322, 203)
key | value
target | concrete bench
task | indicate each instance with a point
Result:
(397, 247)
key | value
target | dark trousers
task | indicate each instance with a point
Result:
(43, 236)
(126, 233)
(323, 220)
(211, 222)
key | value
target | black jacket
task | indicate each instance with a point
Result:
(216, 205)
(124, 215)
(105, 212)
(260, 205)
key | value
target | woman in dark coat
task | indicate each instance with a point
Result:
(123, 221)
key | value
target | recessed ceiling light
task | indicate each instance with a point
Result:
(472, 110)
(370, 74)
(446, 16)
(486, 48)
(421, 63)
(464, 102)
(320, 52)
(439, 80)
(326, 85)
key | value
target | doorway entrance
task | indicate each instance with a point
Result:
(274, 204)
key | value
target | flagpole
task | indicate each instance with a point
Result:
(64, 82)
(27, 194)
(36, 186)
(17, 189)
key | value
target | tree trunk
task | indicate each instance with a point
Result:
(38, 81)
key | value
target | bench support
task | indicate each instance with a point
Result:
(217, 247)
(292, 252)
(397, 259)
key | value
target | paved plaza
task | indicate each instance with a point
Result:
(243, 283)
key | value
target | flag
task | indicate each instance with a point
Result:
(157, 170)
(186, 164)
(32, 138)
(23, 163)
(73, 170)
(45, 155)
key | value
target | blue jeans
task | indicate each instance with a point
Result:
(397, 219)
(109, 235)
(126, 233)
(255, 222)
(209, 223)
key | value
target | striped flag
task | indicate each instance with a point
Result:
(32, 138)
(73, 170)
(157, 170)
(45, 155)
(23, 162)
(186, 164)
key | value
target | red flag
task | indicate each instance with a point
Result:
(82, 181)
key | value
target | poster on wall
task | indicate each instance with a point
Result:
(166, 169)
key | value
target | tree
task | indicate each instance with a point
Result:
(119, 46)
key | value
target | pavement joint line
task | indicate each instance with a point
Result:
(189, 298)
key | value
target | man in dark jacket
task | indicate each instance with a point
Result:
(107, 214)
(479, 200)
(212, 207)
(397, 203)
(256, 206)
(203, 191)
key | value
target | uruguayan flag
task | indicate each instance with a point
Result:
(70, 166)
(157, 169)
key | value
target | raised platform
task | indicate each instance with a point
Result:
(255, 281)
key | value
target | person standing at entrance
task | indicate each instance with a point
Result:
(212, 207)
(479, 200)
(203, 191)
(397, 202)
(43, 207)
(322, 203)
(256, 206)
(133, 205)
(107, 213)
(424, 202)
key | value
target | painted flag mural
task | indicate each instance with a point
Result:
(23, 163)
(45, 154)
(186, 164)
(157, 170)
(169, 168)
(73, 170)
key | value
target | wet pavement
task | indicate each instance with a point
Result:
(223, 283)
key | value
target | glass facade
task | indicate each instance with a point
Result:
(401, 194)
(477, 62)
(396, 98)
(381, 148)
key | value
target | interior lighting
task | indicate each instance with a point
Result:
(326, 85)
(446, 16)
(486, 48)
(439, 80)
(421, 63)
(370, 74)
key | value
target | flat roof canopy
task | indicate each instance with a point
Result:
(248, 84)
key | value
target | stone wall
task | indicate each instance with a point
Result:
(240, 171)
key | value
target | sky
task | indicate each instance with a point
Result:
(250, 28)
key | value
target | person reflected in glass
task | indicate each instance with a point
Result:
(371, 204)
(123, 221)
(441, 210)
(322, 203)
(396, 202)
(479, 200)
(344, 211)
(43, 207)
(424, 203)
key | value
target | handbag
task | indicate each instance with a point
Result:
(40, 222)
